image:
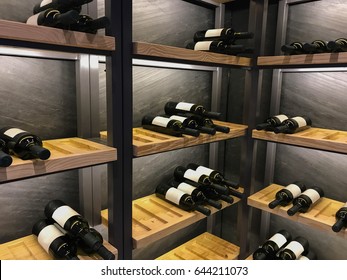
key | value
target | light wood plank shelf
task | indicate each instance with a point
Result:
(204, 247)
(317, 138)
(162, 52)
(306, 60)
(66, 153)
(155, 218)
(147, 142)
(22, 32)
(321, 216)
(27, 248)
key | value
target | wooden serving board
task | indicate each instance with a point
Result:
(68, 153)
(318, 138)
(204, 247)
(320, 216)
(27, 248)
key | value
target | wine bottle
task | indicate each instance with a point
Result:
(53, 241)
(197, 195)
(53, 18)
(308, 256)
(5, 159)
(317, 46)
(172, 108)
(293, 125)
(76, 226)
(60, 5)
(228, 35)
(293, 48)
(270, 123)
(303, 202)
(208, 46)
(207, 122)
(294, 249)
(339, 45)
(89, 25)
(189, 122)
(286, 195)
(179, 198)
(234, 49)
(23, 144)
(341, 218)
(269, 249)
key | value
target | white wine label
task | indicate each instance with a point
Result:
(174, 195)
(312, 194)
(202, 46)
(192, 175)
(47, 235)
(301, 121)
(178, 118)
(294, 189)
(214, 32)
(12, 132)
(161, 121)
(45, 2)
(33, 19)
(303, 258)
(62, 214)
(186, 188)
(296, 248)
(281, 118)
(204, 170)
(279, 239)
(184, 106)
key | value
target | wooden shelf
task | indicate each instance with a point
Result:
(317, 138)
(204, 247)
(27, 248)
(306, 60)
(67, 153)
(147, 142)
(25, 33)
(320, 216)
(155, 218)
(162, 52)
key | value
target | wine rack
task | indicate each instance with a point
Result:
(154, 218)
(68, 153)
(27, 248)
(203, 247)
(318, 138)
(321, 215)
(146, 142)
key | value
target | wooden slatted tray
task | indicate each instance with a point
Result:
(27, 248)
(311, 60)
(146, 142)
(154, 218)
(67, 153)
(151, 51)
(320, 216)
(204, 247)
(23, 32)
(318, 138)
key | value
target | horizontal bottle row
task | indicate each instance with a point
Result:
(317, 46)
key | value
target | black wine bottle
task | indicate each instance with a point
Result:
(53, 18)
(167, 126)
(89, 25)
(208, 46)
(207, 122)
(294, 249)
(234, 49)
(172, 108)
(60, 5)
(5, 159)
(339, 45)
(308, 256)
(189, 122)
(179, 198)
(293, 125)
(269, 249)
(228, 35)
(303, 202)
(341, 218)
(54, 241)
(76, 226)
(317, 46)
(270, 123)
(293, 48)
(286, 195)
(197, 195)
(23, 144)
